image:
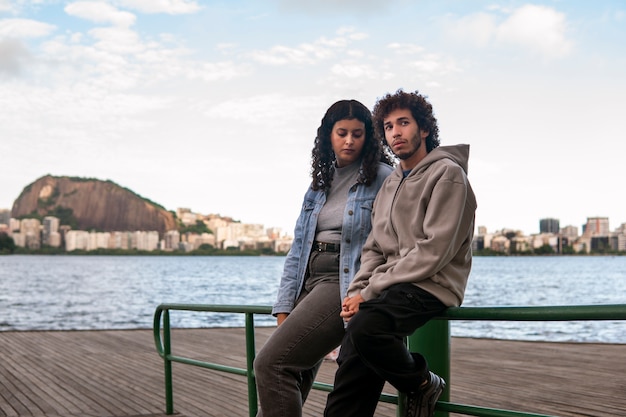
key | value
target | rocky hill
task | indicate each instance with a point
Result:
(91, 204)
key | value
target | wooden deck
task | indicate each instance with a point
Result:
(118, 373)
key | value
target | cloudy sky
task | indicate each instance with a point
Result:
(213, 105)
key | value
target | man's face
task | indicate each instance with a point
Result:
(405, 138)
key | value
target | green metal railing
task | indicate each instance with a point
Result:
(432, 340)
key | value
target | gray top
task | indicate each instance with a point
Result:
(330, 218)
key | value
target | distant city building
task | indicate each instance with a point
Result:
(520, 244)
(225, 233)
(478, 243)
(282, 245)
(19, 239)
(31, 230)
(569, 232)
(5, 216)
(99, 240)
(14, 224)
(546, 239)
(197, 240)
(88, 241)
(187, 217)
(500, 244)
(76, 240)
(274, 233)
(600, 243)
(142, 240)
(50, 232)
(549, 226)
(171, 239)
(596, 226)
(185, 246)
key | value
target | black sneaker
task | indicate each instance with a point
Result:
(422, 403)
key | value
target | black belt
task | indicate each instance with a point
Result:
(326, 247)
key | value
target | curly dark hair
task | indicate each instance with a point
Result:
(323, 157)
(421, 110)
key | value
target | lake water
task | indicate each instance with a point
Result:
(122, 292)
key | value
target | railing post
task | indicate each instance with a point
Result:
(167, 351)
(433, 341)
(250, 355)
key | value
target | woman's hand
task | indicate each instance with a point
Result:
(350, 306)
(280, 317)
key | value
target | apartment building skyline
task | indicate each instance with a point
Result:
(595, 236)
(227, 233)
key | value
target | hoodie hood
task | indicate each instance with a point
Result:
(456, 153)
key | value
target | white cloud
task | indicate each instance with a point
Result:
(5, 6)
(80, 114)
(424, 65)
(162, 6)
(538, 28)
(99, 12)
(325, 7)
(352, 33)
(214, 71)
(355, 71)
(24, 28)
(117, 40)
(268, 110)
(308, 53)
(477, 29)
(281, 55)
(13, 53)
(435, 65)
(225, 47)
(405, 48)
(336, 43)
(119, 58)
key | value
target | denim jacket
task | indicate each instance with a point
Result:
(356, 226)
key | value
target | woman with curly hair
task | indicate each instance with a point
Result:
(349, 164)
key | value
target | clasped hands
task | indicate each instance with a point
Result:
(350, 306)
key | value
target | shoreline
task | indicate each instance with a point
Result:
(228, 253)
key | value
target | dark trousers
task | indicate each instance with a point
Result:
(286, 366)
(373, 350)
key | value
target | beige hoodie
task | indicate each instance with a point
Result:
(422, 229)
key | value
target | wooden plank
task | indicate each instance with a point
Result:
(118, 373)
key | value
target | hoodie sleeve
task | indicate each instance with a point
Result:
(371, 257)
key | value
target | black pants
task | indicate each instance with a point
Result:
(373, 350)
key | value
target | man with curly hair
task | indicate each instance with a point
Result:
(414, 264)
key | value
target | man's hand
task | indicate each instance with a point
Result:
(350, 306)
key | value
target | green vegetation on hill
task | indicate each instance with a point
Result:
(88, 179)
(199, 228)
(7, 244)
(64, 214)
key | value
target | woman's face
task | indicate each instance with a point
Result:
(347, 139)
